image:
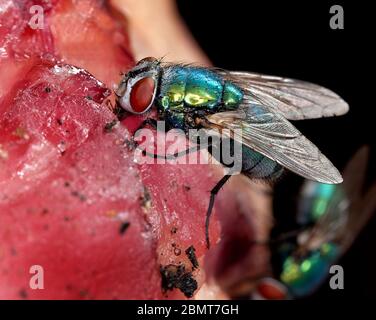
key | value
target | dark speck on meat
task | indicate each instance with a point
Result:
(78, 195)
(174, 230)
(110, 125)
(145, 199)
(190, 252)
(23, 294)
(123, 227)
(175, 276)
(130, 144)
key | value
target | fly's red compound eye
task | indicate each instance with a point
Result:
(142, 94)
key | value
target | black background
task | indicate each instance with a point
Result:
(294, 39)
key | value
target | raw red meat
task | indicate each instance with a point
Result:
(72, 199)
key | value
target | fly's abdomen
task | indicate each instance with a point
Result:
(253, 164)
(257, 166)
(189, 87)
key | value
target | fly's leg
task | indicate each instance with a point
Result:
(213, 193)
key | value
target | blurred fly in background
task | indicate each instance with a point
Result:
(334, 214)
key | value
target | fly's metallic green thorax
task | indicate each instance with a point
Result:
(198, 88)
(185, 91)
(304, 275)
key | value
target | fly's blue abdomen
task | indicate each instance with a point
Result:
(257, 166)
(253, 164)
(184, 88)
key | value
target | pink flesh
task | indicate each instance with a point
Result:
(67, 185)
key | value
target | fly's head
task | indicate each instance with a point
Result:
(137, 89)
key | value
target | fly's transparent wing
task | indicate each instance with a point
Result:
(269, 133)
(295, 99)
